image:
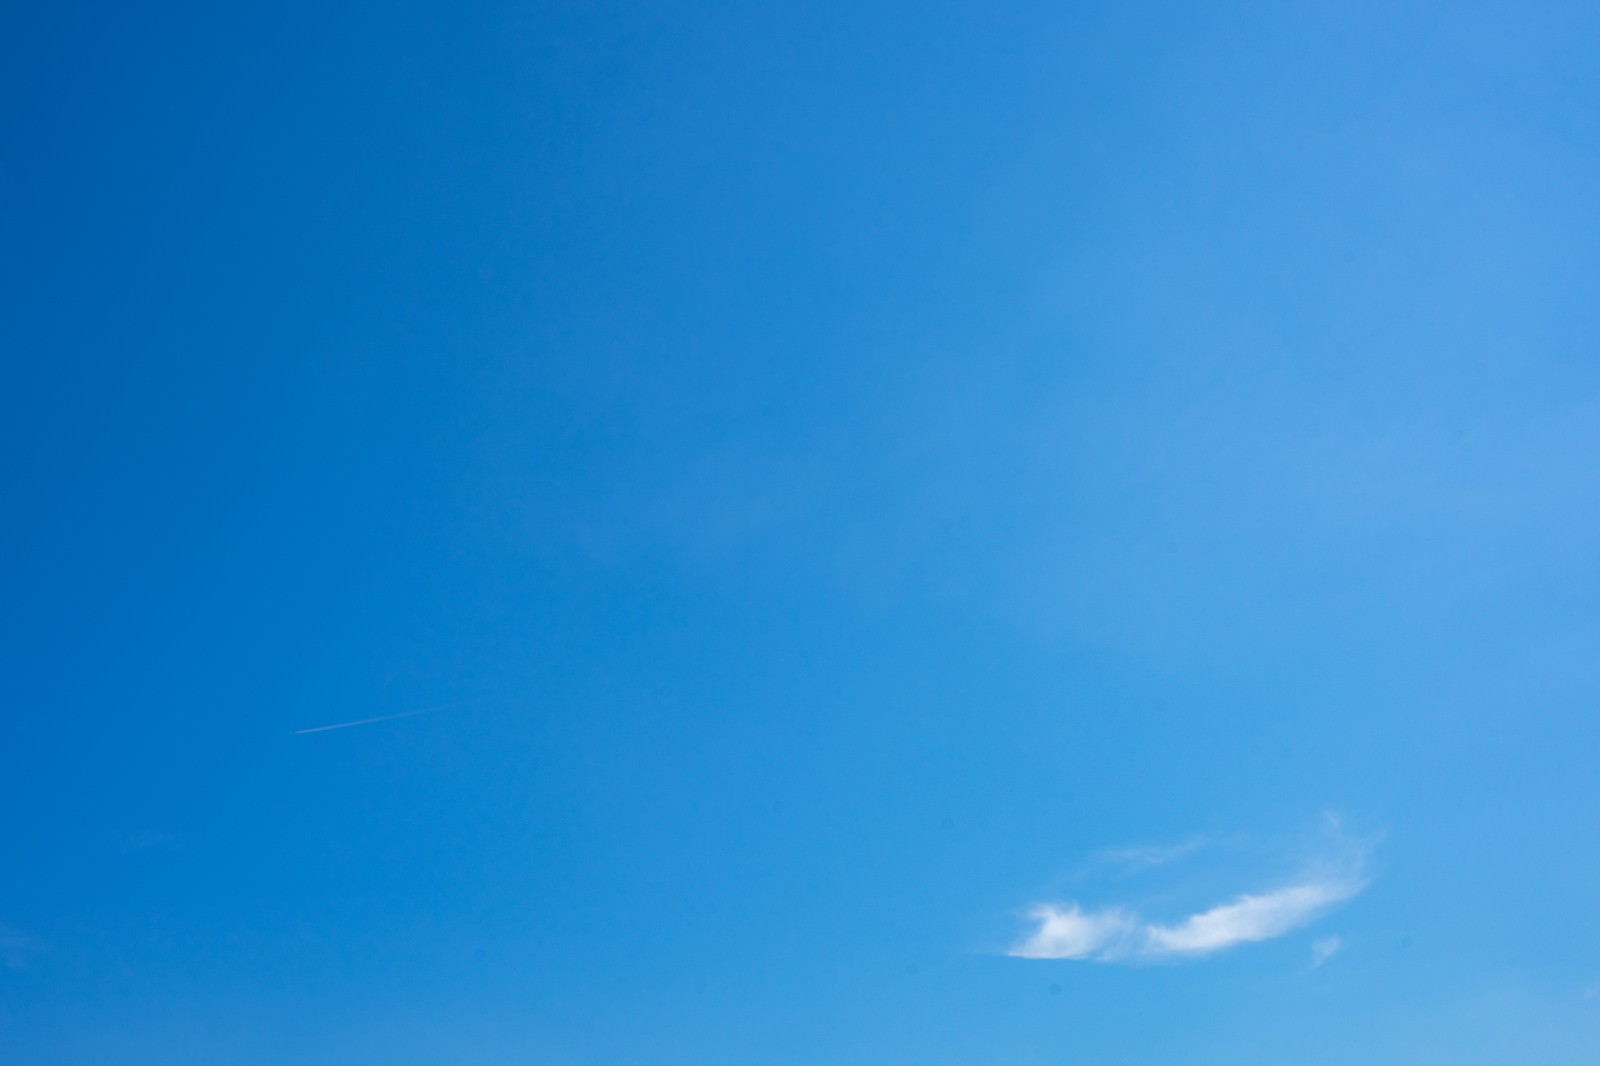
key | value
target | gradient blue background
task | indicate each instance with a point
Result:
(837, 466)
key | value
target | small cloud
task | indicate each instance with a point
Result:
(1148, 856)
(1072, 934)
(1324, 949)
(1116, 935)
(1248, 919)
(1119, 934)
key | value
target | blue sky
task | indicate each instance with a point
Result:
(931, 534)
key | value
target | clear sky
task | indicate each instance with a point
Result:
(849, 534)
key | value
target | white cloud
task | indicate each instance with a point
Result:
(1116, 935)
(1324, 949)
(1147, 856)
(1071, 934)
(1248, 919)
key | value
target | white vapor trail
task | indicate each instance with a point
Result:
(366, 721)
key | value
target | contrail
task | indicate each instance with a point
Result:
(369, 721)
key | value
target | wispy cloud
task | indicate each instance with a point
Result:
(1248, 919)
(1071, 933)
(1115, 934)
(1149, 856)
(1324, 949)
(1119, 934)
